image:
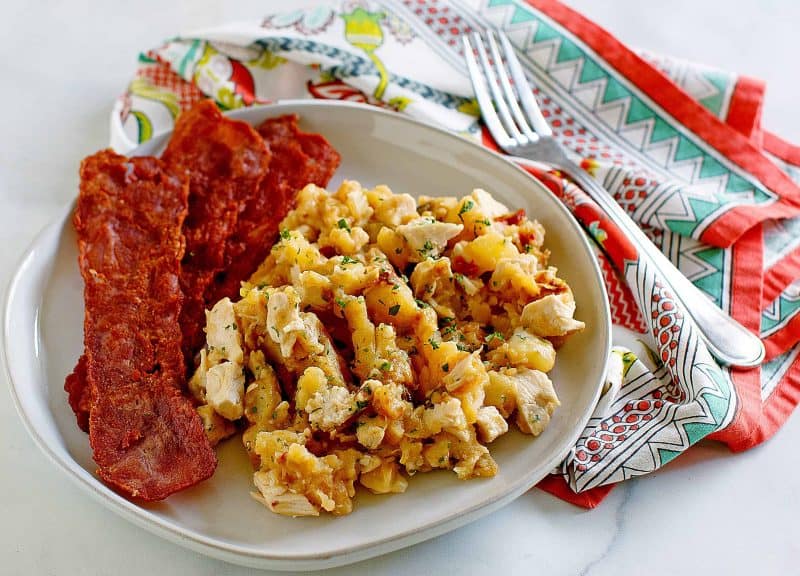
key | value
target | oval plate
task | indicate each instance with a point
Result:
(43, 339)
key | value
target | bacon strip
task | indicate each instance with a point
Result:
(298, 158)
(78, 390)
(225, 161)
(147, 439)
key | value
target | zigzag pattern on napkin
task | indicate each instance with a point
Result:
(630, 121)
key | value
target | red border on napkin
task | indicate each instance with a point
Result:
(744, 110)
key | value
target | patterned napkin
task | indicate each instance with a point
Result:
(679, 145)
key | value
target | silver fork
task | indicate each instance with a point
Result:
(519, 128)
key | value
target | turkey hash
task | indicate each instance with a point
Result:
(383, 336)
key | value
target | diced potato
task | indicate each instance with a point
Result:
(264, 394)
(353, 277)
(395, 247)
(294, 250)
(275, 442)
(315, 290)
(439, 207)
(385, 479)
(368, 462)
(411, 455)
(485, 251)
(355, 198)
(391, 209)
(437, 455)
(501, 393)
(344, 239)
(524, 349)
(392, 304)
(311, 381)
(363, 336)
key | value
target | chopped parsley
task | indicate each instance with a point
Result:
(348, 260)
(466, 207)
(340, 302)
(386, 366)
(421, 303)
(285, 234)
(495, 336)
(434, 344)
(342, 223)
(361, 404)
(426, 249)
(393, 310)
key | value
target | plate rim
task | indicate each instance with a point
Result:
(233, 552)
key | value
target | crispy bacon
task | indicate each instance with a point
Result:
(512, 218)
(225, 161)
(298, 158)
(78, 390)
(147, 439)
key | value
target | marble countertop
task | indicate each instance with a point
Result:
(708, 511)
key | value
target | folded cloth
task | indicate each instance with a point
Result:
(680, 146)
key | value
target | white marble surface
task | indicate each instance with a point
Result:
(708, 511)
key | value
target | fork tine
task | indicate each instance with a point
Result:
(511, 98)
(526, 98)
(484, 99)
(500, 104)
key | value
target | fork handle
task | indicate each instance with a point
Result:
(726, 339)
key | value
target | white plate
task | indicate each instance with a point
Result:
(43, 339)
